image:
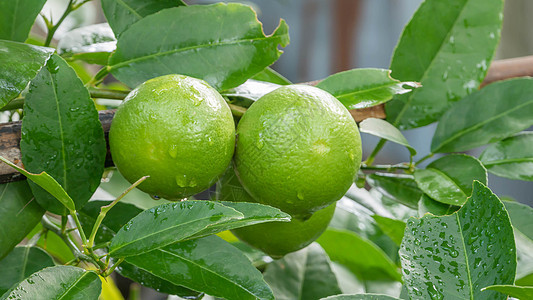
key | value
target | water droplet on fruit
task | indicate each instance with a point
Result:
(173, 151)
(300, 195)
(155, 197)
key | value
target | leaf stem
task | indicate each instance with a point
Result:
(430, 155)
(49, 225)
(99, 77)
(52, 28)
(372, 155)
(388, 168)
(112, 268)
(107, 93)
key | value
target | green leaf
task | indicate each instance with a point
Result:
(385, 130)
(208, 265)
(46, 182)
(251, 89)
(518, 292)
(511, 158)
(496, 112)
(361, 88)
(92, 44)
(20, 63)
(401, 188)
(17, 17)
(167, 224)
(449, 179)
(305, 274)
(455, 256)
(521, 217)
(391, 227)
(370, 263)
(72, 139)
(522, 220)
(121, 14)
(225, 57)
(18, 214)
(269, 75)
(58, 283)
(428, 205)
(447, 52)
(361, 297)
(114, 220)
(21, 263)
(52, 244)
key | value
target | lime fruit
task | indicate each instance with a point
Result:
(176, 129)
(274, 238)
(298, 149)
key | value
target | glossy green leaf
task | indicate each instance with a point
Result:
(58, 283)
(253, 213)
(46, 182)
(428, 205)
(361, 88)
(16, 203)
(21, 263)
(361, 297)
(385, 130)
(270, 75)
(114, 220)
(448, 52)
(225, 57)
(208, 265)
(370, 263)
(511, 158)
(455, 256)
(518, 292)
(92, 44)
(17, 17)
(167, 224)
(391, 227)
(522, 220)
(20, 63)
(521, 217)
(71, 139)
(496, 112)
(122, 14)
(401, 188)
(305, 274)
(251, 89)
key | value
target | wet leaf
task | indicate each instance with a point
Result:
(92, 44)
(225, 57)
(428, 205)
(399, 187)
(489, 115)
(71, 139)
(209, 265)
(511, 158)
(270, 75)
(21, 263)
(391, 227)
(20, 63)
(455, 256)
(16, 203)
(166, 224)
(251, 89)
(122, 14)
(17, 17)
(385, 130)
(60, 282)
(518, 292)
(305, 274)
(370, 263)
(448, 53)
(361, 297)
(361, 88)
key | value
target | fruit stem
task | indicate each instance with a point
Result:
(372, 156)
(401, 166)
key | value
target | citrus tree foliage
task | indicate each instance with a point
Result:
(434, 232)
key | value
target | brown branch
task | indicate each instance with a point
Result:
(10, 132)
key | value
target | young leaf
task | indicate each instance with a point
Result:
(511, 158)
(497, 111)
(448, 53)
(20, 63)
(385, 130)
(21, 263)
(269, 75)
(122, 14)
(48, 183)
(370, 263)
(60, 282)
(16, 203)
(401, 188)
(92, 44)
(251, 89)
(17, 17)
(361, 297)
(208, 265)
(361, 88)
(455, 256)
(305, 274)
(391, 227)
(225, 57)
(518, 292)
(72, 138)
(167, 224)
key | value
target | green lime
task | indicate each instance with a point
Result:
(298, 149)
(275, 238)
(176, 129)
